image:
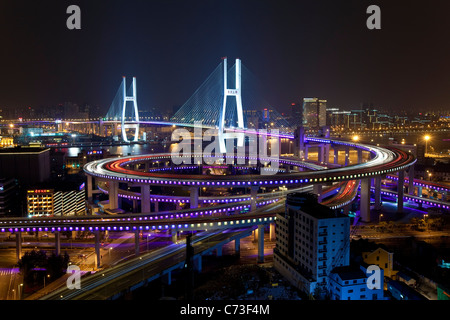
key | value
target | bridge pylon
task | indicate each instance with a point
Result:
(236, 92)
(133, 99)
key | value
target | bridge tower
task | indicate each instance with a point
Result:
(236, 92)
(133, 99)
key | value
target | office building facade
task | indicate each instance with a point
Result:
(314, 113)
(48, 202)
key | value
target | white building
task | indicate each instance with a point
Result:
(350, 283)
(312, 240)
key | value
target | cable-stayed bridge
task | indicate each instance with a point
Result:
(118, 109)
(229, 100)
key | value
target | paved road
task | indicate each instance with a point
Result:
(101, 285)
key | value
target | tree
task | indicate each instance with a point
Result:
(67, 234)
(31, 262)
(57, 265)
(37, 265)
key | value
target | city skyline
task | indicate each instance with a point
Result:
(295, 50)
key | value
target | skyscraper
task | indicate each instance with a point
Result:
(297, 114)
(314, 113)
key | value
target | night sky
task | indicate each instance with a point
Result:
(295, 49)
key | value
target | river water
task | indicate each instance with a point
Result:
(439, 142)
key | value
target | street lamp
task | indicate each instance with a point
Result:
(425, 219)
(148, 235)
(379, 219)
(48, 276)
(427, 137)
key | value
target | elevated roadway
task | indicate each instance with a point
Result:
(127, 276)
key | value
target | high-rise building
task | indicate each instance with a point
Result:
(312, 240)
(253, 118)
(297, 114)
(314, 113)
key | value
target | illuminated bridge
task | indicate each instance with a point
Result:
(126, 171)
(219, 104)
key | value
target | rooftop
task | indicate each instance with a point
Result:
(349, 273)
(307, 202)
(21, 150)
(405, 289)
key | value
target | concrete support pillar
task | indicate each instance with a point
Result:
(260, 243)
(419, 191)
(97, 249)
(360, 155)
(57, 243)
(306, 152)
(253, 196)
(317, 190)
(156, 203)
(320, 153)
(326, 151)
(137, 243)
(113, 194)
(237, 247)
(301, 141)
(401, 182)
(272, 231)
(198, 263)
(174, 235)
(193, 197)
(167, 278)
(219, 251)
(411, 180)
(336, 154)
(101, 128)
(347, 155)
(279, 145)
(18, 245)
(145, 198)
(365, 200)
(89, 187)
(377, 185)
(115, 126)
